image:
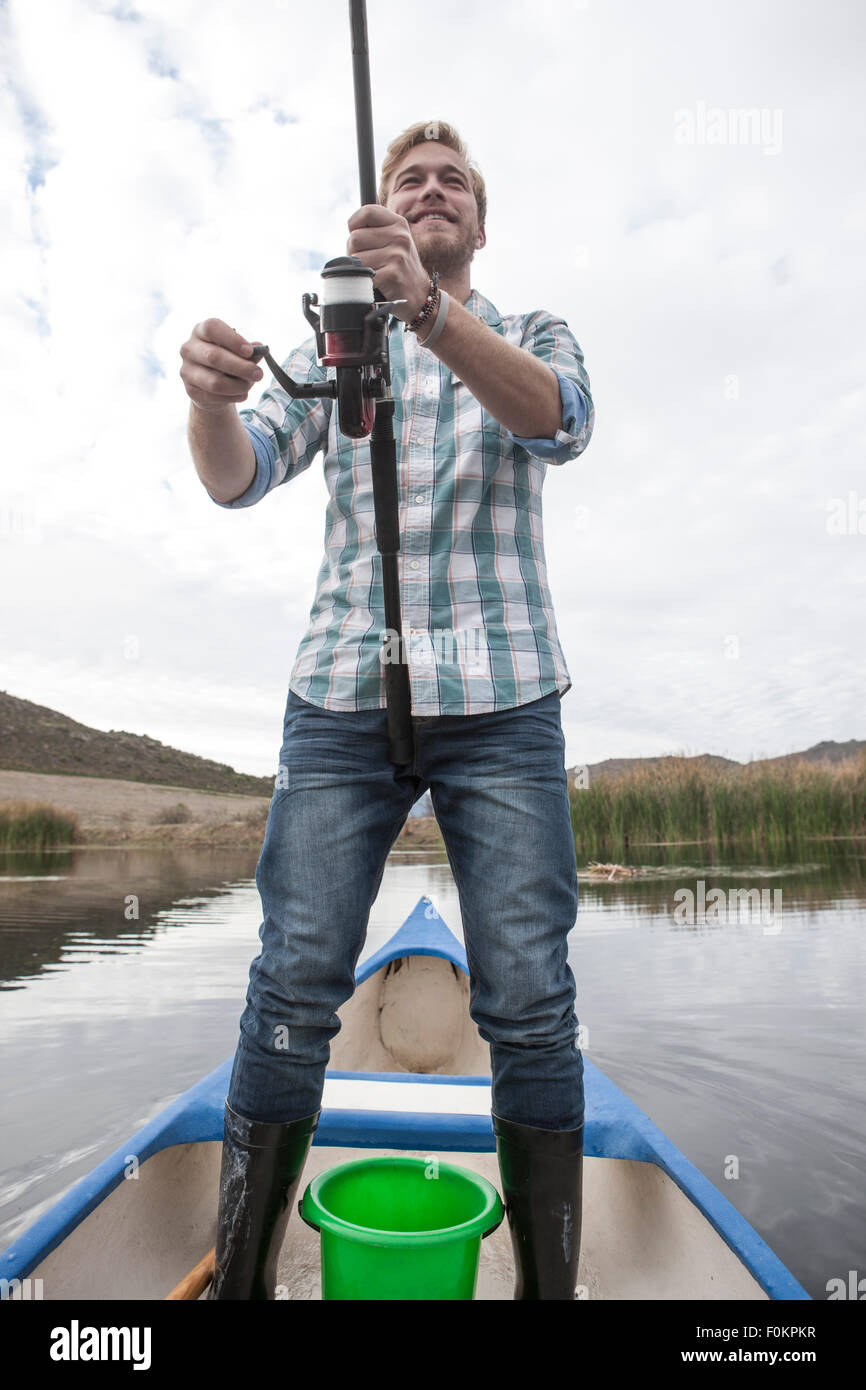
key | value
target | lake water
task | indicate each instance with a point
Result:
(742, 1037)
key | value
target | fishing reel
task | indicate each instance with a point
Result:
(351, 335)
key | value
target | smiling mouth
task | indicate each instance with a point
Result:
(421, 221)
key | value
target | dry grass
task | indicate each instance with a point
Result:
(36, 825)
(758, 807)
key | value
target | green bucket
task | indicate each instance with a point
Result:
(400, 1228)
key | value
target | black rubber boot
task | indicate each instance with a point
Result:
(261, 1168)
(542, 1184)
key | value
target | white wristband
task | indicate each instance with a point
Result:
(439, 321)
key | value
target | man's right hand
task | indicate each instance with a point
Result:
(217, 370)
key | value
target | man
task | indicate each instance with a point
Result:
(478, 416)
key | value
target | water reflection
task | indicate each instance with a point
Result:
(737, 1043)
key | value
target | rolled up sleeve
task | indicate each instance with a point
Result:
(550, 339)
(286, 432)
(264, 476)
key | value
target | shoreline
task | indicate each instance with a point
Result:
(125, 814)
(114, 812)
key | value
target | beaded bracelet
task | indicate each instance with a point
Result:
(430, 304)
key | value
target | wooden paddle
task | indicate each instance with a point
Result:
(195, 1283)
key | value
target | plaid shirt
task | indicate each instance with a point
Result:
(478, 624)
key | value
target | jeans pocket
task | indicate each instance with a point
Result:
(295, 702)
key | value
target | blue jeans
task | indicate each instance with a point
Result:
(500, 794)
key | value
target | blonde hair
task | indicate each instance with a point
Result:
(447, 135)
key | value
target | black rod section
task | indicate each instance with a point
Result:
(363, 101)
(383, 451)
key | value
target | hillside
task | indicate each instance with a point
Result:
(615, 767)
(827, 751)
(34, 738)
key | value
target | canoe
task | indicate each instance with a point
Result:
(408, 1073)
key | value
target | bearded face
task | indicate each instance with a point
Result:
(432, 189)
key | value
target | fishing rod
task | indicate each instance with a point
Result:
(352, 336)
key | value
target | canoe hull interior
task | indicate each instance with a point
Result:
(408, 1073)
(411, 1015)
(642, 1237)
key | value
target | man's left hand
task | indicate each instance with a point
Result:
(383, 240)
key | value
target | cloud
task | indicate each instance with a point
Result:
(159, 169)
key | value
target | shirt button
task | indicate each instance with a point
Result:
(419, 498)
(415, 564)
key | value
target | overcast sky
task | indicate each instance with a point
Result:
(168, 161)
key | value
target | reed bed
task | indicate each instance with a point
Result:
(36, 825)
(756, 807)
